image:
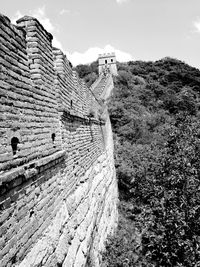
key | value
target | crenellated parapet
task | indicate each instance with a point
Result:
(39, 51)
(58, 192)
(107, 63)
(37, 81)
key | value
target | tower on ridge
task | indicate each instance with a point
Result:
(107, 63)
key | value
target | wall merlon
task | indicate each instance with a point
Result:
(5, 19)
(112, 54)
(28, 21)
(7, 27)
(61, 63)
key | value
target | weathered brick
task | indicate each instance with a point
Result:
(57, 189)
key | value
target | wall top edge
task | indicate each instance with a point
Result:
(107, 55)
(29, 18)
(30, 169)
(4, 18)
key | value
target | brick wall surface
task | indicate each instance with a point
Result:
(58, 191)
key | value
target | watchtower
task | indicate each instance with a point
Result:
(107, 63)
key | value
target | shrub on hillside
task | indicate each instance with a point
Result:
(166, 190)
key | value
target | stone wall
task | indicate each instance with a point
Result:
(103, 87)
(58, 191)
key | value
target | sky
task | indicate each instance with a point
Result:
(134, 29)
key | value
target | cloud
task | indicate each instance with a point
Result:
(76, 58)
(64, 11)
(16, 16)
(197, 25)
(92, 53)
(40, 14)
(121, 1)
(56, 43)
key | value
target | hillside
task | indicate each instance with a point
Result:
(155, 118)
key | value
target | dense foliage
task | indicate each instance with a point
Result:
(155, 118)
(88, 72)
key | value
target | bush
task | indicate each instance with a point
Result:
(166, 191)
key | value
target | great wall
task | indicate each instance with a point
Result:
(58, 188)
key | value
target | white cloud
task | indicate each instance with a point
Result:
(92, 53)
(197, 25)
(76, 58)
(121, 1)
(40, 14)
(64, 11)
(17, 16)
